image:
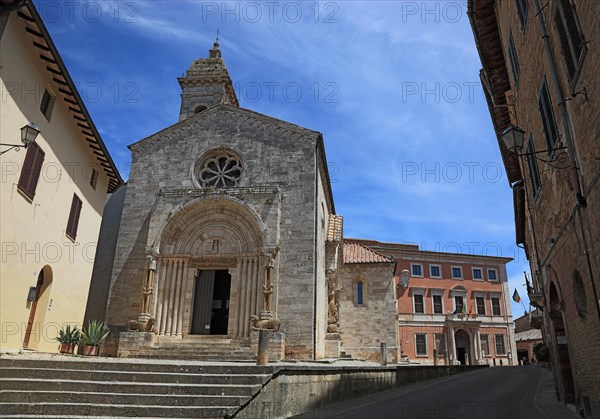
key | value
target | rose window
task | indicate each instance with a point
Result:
(222, 171)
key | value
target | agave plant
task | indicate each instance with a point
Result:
(95, 333)
(68, 335)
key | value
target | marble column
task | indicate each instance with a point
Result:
(171, 296)
(453, 359)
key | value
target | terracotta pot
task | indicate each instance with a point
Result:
(67, 348)
(90, 350)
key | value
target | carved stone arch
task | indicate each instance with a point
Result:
(201, 237)
(184, 213)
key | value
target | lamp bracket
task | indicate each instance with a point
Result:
(558, 159)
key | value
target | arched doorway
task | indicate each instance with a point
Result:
(37, 309)
(523, 356)
(563, 359)
(463, 347)
(210, 271)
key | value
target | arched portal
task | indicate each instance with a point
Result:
(37, 309)
(463, 347)
(562, 348)
(210, 270)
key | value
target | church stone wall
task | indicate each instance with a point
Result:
(364, 327)
(272, 155)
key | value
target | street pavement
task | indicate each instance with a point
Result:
(524, 392)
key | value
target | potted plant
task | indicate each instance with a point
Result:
(68, 339)
(92, 337)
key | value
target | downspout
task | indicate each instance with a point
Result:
(315, 265)
(562, 106)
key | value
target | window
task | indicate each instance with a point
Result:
(496, 306)
(417, 269)
(30, 173)
(485, 345)
(440, 343)
(456, 272)
(477, 274)
(480, 301)
(572, 41)
(419, 304)
(200, 108)
(500, 348)
(459, 304)
(221, 169)
(47, 104)
(534, 173)
(435, 271)
(74, 217)
(421, 344)
(438, 307)
(514, 59)
(94, 179)
(359, 293)
(548, 118)
(492, 275)
(522, 6)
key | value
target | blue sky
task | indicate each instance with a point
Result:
(392, 85)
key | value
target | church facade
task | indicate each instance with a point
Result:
(229, 226)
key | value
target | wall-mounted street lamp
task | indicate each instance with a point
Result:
(513, 138)
(28, 135)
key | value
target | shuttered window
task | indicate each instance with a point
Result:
(30, 173)
(74, 217)
(548, 118)
(572, 41)
(522, 6)
(514, 59)
(94, 179)
(534, 173)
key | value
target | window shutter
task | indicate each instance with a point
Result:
(572, 41)
(73, 221)
(30, 173)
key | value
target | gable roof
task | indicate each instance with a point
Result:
(357, 253)
(54, 65)
(242, 112)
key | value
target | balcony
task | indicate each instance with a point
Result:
(536, 299)
(536, 319)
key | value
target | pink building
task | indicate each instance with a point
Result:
(452, 308)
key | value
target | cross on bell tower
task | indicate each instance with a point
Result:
(206, 84)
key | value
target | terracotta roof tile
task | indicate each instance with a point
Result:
(357, 253)
(335, 228)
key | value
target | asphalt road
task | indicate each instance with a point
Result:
(525, 392)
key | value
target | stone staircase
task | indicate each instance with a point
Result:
(96, 387)
(207, 348)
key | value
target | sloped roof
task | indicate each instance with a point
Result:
(53, 63)
(533, 334)
(241, 112)
(357, 253)
(335, 228)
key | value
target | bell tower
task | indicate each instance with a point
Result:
(206, 84)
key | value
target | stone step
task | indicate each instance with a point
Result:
(65, 409)
(128, 387)
(134, 365)
(127, 376)
(43, 396)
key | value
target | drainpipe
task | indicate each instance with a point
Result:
(562, 106)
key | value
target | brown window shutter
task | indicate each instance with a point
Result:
(73, 221)
(32, 167)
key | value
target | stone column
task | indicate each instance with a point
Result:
(453, 359)
(267, 289)
(478, 346)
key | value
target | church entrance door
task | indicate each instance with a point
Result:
(211, 303)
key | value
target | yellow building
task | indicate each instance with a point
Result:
(52, 192)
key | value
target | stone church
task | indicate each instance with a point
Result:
(228, 226)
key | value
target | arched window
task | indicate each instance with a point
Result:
(199, 108)
(359, 293)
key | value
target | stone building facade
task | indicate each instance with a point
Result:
(229, 225)
(541, 72)
(527, 337)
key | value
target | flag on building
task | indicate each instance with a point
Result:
(516, 297)
(464, 309)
